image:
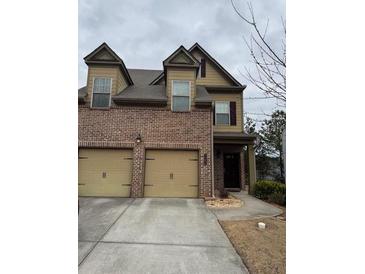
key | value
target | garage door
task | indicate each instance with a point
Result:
(171, 173)
(105, 172)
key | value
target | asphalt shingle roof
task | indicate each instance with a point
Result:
(142, 77)
(202, 95)
(142, 91)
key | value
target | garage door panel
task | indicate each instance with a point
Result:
(105, 172)
(171, 173)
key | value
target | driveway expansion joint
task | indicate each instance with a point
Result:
(163, 244)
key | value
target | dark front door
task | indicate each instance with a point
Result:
(231, 169)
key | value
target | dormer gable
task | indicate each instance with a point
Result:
(181, 58)
(104, 55)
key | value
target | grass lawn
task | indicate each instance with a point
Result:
(262, 251)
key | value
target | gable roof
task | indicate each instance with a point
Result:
(196, 45)
(215, 62)
(113, 60)
(173, 59)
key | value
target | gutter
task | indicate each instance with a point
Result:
(153, 101)
(203, 103)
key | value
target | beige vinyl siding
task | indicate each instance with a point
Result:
(180, 74)
(171, 173)
(230, 97)
(214, 77)
(118, 81)
(121, 82)
(105, 172)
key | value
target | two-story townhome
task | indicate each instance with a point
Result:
(175, 132)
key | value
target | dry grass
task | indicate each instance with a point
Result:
(262, 251)
(225, 202)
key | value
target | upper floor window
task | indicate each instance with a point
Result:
(180, 95)
(102, 88)
(222, 113)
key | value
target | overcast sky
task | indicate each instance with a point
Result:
(143, 33)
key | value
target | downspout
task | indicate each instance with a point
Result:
(212, 147)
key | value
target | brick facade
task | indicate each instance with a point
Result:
(159, 127)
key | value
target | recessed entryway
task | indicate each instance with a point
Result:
(171, 173)
(105, 172)
(231, 164)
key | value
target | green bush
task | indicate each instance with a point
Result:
(277, 198)
(263, 189)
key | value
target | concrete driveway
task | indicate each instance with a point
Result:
(122, 235)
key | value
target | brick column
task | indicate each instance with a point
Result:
(138, 171)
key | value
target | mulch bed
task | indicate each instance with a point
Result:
(230, 202)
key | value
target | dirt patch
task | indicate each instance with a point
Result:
(262, 251)
(230, 202)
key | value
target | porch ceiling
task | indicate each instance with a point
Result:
(238, 138)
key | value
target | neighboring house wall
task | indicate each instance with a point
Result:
(118, 81)
(235, 97)
(159, 128)
(180, 74)
(214, 76)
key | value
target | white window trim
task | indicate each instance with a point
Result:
(229, 113)
(172, 94)
(110, 92)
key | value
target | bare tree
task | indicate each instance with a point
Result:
(270, 63)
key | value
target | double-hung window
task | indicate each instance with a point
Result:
(222, 113)
(101, 92)
(180, 95)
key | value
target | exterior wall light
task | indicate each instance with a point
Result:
(139, 138)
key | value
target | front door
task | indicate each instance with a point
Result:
(231, 166)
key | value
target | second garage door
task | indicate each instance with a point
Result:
(105, 172)
(171, 173)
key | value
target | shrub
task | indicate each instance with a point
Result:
(277, 198)
(263, 189)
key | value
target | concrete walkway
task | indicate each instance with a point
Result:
(252, 208)
(120, 235)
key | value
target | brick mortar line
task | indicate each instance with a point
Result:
(96, 243)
